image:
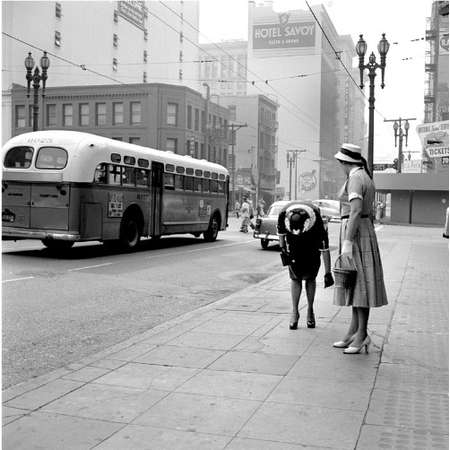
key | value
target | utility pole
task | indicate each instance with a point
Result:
(234, 127)
(398, 132)
(207, 144)
(292, 156)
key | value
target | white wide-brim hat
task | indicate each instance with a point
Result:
(349, 153)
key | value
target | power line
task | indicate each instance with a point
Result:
(234, 59)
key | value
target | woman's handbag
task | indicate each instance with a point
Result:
(344, 277)
(285, 259)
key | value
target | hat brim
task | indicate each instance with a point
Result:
(341, 157)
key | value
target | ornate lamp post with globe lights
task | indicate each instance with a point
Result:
(371, 66)
(36, 78)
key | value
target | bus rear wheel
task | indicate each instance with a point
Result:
(211, 233)
(56, 245)
(130, 234)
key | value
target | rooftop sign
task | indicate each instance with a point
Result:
(284, 34)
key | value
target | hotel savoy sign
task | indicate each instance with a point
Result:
(284, 34)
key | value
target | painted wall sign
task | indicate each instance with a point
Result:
(284, 34)
(134, 12)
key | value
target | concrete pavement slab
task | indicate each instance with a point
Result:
(241, 385)
(131, 352)
(86, 374)
(10, 414)
(111, 403)
(171, 355)
(213, 341)
(228, 327)
(399, 377)
(146, 376)
(255, 362)
(47, 431)
(374, 437)
(45, 394)
(199, 413)
(108, 364)
(276, 346)
(257, 444)
(322, 392)
(304, 424)
(138, 437)
(409, 409)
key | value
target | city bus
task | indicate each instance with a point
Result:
(64, 187)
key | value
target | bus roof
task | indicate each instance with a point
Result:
(78, 143)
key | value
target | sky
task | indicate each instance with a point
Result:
(403, 21)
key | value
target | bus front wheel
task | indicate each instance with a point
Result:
(56, 245)
(130, 234)
(211, 233)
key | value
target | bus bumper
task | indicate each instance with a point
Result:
(23, 233)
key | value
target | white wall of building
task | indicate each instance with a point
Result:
(87, 29)
(299, 111)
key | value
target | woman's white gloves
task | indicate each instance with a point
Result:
(347, 248)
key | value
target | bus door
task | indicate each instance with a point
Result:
(156, 205)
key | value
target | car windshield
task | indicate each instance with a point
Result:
(275, 210)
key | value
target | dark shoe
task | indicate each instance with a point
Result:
(294, 321)
(311, 321)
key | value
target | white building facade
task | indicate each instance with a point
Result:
(99, 42)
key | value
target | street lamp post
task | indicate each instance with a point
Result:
(399, 133)
(36, 78)
(371, 66)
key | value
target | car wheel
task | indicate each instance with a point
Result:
(264, 243)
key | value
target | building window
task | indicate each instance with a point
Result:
(145, 35)
(172, 114)
(115, 40)
(58, 9)
(181, 36)
(67, 115)
(144, 77)
(203, 121)
(134, 140)
(116, 16)
(84, 114)
(20, 116)
(189, 117)
(57, 39)
(51, 115)
(145, 56)
(100, 114)
(117, 113)
(30, 115)
(180, 74)
(180, 56)
(171, 145)
(135, 112)
(114, 64)
(196, 119)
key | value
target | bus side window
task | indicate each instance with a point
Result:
(213, 186)
(128, 176)
(114, 174)
(197, 184)
(179, 182)
(142, 177)
(205, 184)
(100, 174)
(221, 187)
(169, 181)
(188, 183)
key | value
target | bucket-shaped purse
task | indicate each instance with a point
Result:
(344, 277)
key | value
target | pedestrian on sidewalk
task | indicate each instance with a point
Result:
(303, 237)
(358, 246)
(237, 207)
(246, 213)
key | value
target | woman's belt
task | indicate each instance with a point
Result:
(363, 216)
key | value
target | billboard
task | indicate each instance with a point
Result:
(284, 34)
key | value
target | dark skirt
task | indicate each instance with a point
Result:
(306, 268)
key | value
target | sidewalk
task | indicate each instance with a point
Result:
(231, 375)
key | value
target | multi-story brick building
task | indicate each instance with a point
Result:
(163, 116)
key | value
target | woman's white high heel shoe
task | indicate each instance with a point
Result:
(344, 344)
(355, 350)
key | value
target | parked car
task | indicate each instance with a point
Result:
(329, 209)
(266, 227)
